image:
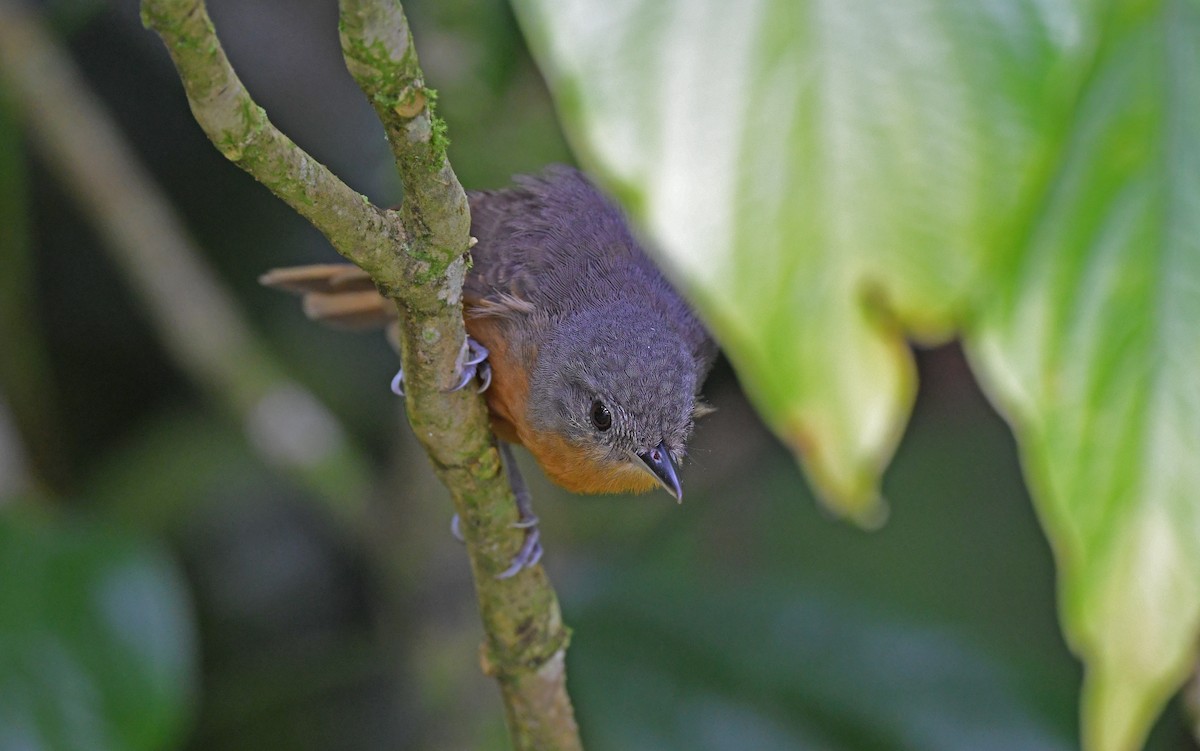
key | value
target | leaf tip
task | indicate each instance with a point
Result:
(847, 487)
(1132, 616)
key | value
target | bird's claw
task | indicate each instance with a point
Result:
(525, 522)
(529, 554)
(474, 363)
(531, 549)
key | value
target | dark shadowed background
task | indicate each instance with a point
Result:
(341, 616)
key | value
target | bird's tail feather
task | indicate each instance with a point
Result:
(339, 294)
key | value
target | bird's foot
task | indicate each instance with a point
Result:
(473, 359)
(474, 363)
(531, 549)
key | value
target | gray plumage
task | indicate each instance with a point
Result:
(601, 321)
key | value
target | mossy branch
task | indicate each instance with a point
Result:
(417, 257)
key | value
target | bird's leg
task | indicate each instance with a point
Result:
(473, 362)
(473, 359)
(531, 550)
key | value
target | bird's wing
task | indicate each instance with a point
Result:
(554, 242)
(545, 242)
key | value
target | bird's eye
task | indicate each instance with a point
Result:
(601, 417)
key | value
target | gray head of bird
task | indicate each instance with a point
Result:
(620, 385)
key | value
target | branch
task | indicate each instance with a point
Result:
(417, 257)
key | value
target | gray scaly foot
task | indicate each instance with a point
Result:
(531, 549)
(474, 363)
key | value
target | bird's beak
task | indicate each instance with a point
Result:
(658, 463)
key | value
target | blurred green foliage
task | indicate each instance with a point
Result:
(744, 619)
(97, 646)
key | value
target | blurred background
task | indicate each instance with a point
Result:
(255, 555)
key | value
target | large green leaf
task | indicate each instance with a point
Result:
(826, 177)
(815, 173)
(1093, 348)
(96, 644)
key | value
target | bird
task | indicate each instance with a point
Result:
(586, 354)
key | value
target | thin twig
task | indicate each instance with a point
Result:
(417, 257)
